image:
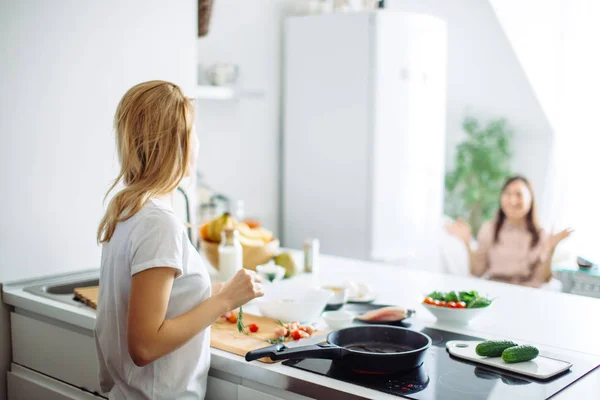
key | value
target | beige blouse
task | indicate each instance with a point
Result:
(512, 259)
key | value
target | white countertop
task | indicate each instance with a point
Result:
(545, 318)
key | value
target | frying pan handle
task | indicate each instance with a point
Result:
(280, 352)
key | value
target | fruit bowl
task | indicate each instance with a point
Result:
(258, 244)
(252, 255)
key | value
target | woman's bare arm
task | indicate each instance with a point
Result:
(150, 335)
(477, 257)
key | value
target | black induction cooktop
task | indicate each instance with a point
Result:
(445, 377)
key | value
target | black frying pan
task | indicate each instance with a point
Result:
(367, 349)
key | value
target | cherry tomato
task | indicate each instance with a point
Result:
(441, 303)
(298, 334)
(461, 304)
(429, 300)
(253, 328)
(232, 318)
(451, 304)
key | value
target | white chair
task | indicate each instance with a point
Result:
(454, 255)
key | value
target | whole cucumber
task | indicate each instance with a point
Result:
(493, 348)
(520, 354)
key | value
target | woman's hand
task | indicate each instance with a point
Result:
(544, 270)
(243, 287)
(461, 229)
(556, 238)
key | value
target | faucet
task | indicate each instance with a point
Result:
(218, 197)
(187, 211)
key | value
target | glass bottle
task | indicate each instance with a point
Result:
(230, 254)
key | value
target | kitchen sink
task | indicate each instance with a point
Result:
(62, 291)
(67, 288)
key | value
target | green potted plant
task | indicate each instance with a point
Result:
(482, 164)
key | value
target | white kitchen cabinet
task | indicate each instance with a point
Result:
(56, 349)
(223, 389)
(252, 390)
(245, 393)
(219, 389)
(25, 384)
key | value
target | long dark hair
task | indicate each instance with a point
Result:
(533, 225)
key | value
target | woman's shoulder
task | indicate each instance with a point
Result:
(154, 215)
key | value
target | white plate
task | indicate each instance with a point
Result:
(541, 367)
(367, 298)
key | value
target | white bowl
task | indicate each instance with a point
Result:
(294, 305)
(338, 319)
(456, 315)
(270, 270)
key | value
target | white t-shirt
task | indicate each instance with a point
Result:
(154, 237)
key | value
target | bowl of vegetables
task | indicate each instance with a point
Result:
(456, 306)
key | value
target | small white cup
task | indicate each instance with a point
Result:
(340, 295)
(338, 319)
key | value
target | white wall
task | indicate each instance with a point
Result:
(486, 80)
(65, 65)
(533, 28)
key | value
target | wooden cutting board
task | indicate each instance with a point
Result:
(88, 295)
(225, 336)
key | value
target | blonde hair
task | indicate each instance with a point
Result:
(153, 127)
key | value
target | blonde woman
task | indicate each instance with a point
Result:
(156, 303)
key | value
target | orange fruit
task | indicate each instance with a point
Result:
(252, 223)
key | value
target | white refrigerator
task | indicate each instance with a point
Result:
(364, 116)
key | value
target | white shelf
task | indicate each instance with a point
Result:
(215, 92)
(207, 92)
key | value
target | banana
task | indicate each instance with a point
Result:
(216, 226)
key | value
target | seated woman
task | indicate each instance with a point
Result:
(512, 247)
